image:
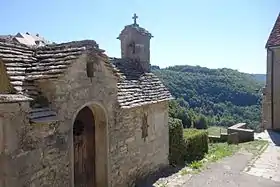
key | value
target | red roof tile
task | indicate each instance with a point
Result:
(274, 38)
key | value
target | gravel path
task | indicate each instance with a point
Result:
(267, 165)
(238, 170)
(229, 173)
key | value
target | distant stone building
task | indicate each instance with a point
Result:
(71, 116)
(26, 39)
(30, 39)
(271, 92)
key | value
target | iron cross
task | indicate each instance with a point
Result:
(134, 18)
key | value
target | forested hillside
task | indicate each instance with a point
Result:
(212, 96)
(260, 77)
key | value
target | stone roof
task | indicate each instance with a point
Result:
(6, 37)
(42, 115)
(137, 28)
(25, 65)
(18, 59)
(138, 88)
(30, 39)
(274, 38)
(13, 98)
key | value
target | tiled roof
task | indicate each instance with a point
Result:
(274, 38)
(138, 88)
(25, 65)
(42, 115)
(30, 39)
(6, 37)
(11, 98)
(18, 60)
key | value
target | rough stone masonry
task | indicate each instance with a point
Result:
(271, 92)
(122, 134)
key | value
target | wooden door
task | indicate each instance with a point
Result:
(84, 149)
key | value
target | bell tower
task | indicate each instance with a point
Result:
(135, 44)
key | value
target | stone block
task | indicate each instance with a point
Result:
(233, 138)
(224, 137)
(244, 134)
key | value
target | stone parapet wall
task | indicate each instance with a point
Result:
(244, 134)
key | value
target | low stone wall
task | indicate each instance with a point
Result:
(233, 138)
(224, 137)
(244, 134)
(214, 139)
(218, 139)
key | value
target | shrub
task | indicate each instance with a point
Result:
(196, 165)
(196, 144)
(176, 142)
(201, 122)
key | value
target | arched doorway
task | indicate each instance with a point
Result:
(84, 149)
(90, 149)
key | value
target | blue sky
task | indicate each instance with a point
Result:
(210, 33)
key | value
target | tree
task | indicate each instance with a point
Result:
(223, 96)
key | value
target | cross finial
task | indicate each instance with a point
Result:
(134, 18)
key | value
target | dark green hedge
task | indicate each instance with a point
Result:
(185, 145)
(196, 144)
(176, 142)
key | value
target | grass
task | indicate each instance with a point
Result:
(216, 130)
(254, 147)
(217, 151)
(190, 132)
(196, 165)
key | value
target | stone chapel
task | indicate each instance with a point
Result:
(72, 116)
(271, 92)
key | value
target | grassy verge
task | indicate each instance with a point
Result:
(254, 147)
(216, 130)
(218, 151)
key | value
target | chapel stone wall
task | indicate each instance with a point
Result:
(70, 94)
(132, 157)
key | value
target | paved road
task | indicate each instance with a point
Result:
(236, 171)
(267, 165)
(229, 173)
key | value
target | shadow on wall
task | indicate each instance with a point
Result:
(275, 137)
(150, 180)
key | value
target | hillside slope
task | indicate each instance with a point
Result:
(260, 77)
(224, 96)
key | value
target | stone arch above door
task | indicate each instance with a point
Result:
(101, 143)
